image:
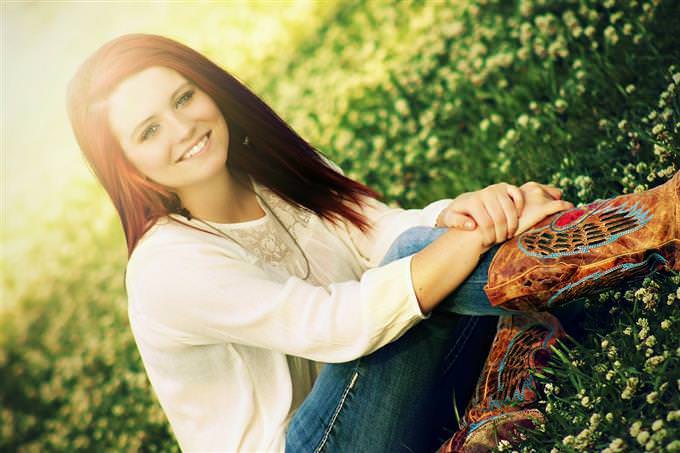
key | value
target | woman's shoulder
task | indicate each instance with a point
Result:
(170, 237)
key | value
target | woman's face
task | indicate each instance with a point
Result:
(161, 121)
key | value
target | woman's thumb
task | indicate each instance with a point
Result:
(462, 221)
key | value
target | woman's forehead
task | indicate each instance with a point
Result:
(140, 96)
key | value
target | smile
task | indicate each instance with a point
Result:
(197, 149)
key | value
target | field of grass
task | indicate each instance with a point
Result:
(421, 100)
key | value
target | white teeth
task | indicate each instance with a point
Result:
(196, 149)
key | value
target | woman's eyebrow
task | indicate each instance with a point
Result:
(174, 94)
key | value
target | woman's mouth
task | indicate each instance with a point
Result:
(198, 149)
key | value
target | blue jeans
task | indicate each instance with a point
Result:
(399, 398)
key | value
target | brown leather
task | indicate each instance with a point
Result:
(506, 393)
(584, 250)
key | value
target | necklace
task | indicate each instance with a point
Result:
(223, 234)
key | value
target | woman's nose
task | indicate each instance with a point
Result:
(184, 128)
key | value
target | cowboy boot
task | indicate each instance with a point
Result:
(506, 393)
(585, 250)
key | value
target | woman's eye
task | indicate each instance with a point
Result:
(144, 134)
(183, 99)
(188, 95)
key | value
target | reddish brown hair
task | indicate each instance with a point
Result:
(276, 156)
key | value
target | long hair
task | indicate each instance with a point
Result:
(276, 156)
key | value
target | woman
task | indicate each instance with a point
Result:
(249, 269)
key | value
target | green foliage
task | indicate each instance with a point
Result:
(420, 100)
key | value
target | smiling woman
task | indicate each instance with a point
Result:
(277, 328)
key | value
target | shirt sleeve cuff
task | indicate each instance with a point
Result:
(412, 298)
(432, 211)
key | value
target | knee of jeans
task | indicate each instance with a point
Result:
(412, 240)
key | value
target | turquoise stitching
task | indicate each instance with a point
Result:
(600, 274)
(640, 215)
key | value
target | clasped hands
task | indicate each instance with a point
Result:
(502, 210)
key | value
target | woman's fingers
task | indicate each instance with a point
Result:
(460, 221)
(553, 192)
(497, 214)
(517, 197)
(485, 223)
(511, 215)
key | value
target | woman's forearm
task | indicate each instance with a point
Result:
(445, 263)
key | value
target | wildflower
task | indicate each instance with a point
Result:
(642, 437)
(616, 445)
(652, 397)
(630, 88)
(673, 415)
(568, 440)
(635, 428)
(627, 29)
(610, 374)
(503, 445)
(627, 331)
(604, 344)
(523, 120)
(609, 417)
(653, 362)
(610, 35)
(595, 419)
(656, 130)
(657, 425)
(650, 341)
(560, 105)
(622, 125)
(585, 402)
(589, 31)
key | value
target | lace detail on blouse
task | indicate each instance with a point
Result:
(268, 241)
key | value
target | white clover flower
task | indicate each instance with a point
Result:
(523, 120)
(595, 419)
(616, 445)
(656, 130)
(604, 344)
(627, 331)
(652, 397)
(649, 446)
(657, 425)
(610, 35)
(568, 440)
(561, 105)
(630, 88)
(610, 374)
(609, 417)
(585, 402)
(642, 437)
(650, 341)
(635, 428)
(503, 445)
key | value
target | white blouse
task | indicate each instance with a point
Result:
(232, 338)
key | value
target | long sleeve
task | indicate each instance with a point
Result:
(205, 296)
(388, 223)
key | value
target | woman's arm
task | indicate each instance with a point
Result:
(441, 266)
(445, 263)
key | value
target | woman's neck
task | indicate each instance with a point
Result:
(223, 199)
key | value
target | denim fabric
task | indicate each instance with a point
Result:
(401, 397)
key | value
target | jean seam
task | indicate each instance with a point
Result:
(465, 334)
(331, 424)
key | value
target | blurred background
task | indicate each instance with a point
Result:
(419, 99)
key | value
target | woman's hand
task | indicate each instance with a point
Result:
(540, 201)
(496, 209)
